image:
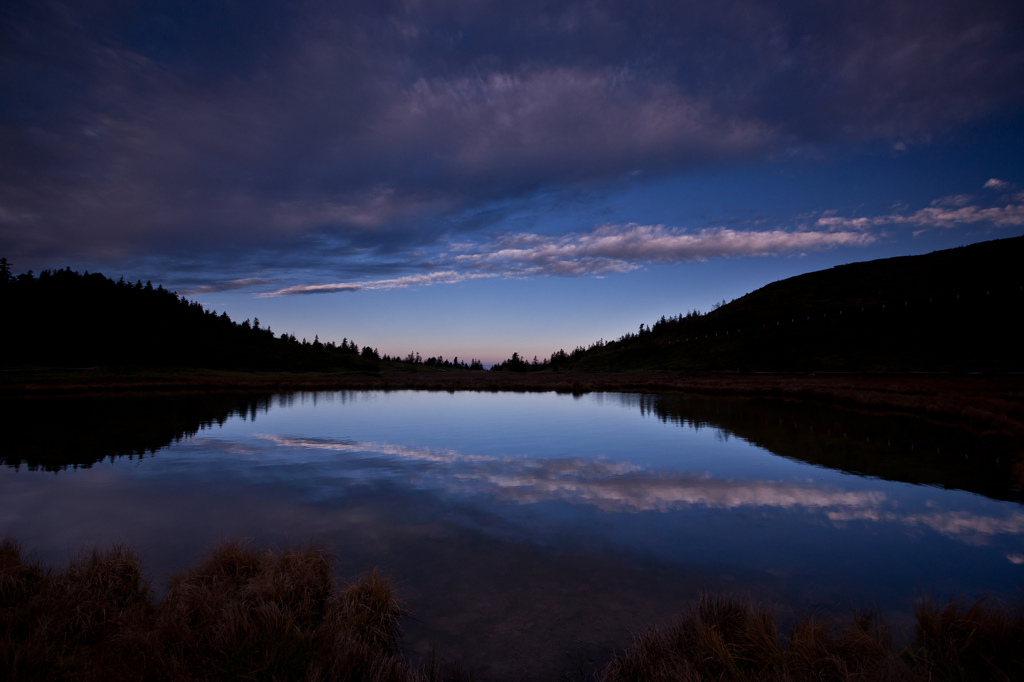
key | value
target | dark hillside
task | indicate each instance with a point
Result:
(954, 310)
(65, 319)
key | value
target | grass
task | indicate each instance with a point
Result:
(725, 638)
(246, 613)
(240, 614)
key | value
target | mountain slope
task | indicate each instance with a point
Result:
(954, 310)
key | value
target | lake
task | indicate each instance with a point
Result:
(531, 533)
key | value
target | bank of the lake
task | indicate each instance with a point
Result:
(987, 404)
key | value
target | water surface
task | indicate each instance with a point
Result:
(531, 532)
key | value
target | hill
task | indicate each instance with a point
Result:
(65, 319)
(954, 310)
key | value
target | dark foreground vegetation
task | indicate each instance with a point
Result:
(953, 310)
(240, 614)
(252, 614)
(726, 638)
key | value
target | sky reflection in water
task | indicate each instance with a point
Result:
(424, 483)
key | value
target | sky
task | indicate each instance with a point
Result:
(473, 178)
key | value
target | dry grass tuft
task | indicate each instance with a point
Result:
(724, 638)
(243, 613)
(63, 624)
(983, 639)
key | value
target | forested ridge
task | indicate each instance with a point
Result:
(953, 310)
(65, 319)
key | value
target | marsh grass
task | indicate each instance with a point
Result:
(246, 613)
(725, 638)
(242, 613)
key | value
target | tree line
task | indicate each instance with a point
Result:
(437, 362)
(67, 319)
(61, 318)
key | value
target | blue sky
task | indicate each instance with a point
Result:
(473, 178)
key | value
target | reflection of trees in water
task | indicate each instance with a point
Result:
(52, 434)
(895, 448)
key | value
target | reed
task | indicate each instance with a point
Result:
(726, 639)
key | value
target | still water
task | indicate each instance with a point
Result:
(530, 532)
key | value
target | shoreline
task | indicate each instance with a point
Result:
(986, 404)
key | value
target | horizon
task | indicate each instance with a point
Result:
(477, 181)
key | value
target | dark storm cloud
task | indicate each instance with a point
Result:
(287, 134)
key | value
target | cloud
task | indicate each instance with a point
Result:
(949, 212)
(993, 183)
(621, 248)
(562, 123)
(446, 277)
(376, 127)
(231, 285)
(1011, 215)
(953, 200)
(302, 289)
(606, 249)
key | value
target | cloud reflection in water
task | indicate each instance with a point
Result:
(619, 487)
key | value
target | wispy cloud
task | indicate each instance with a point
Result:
(446, 277)
(621, 248)
(301, 289)
(606, 249)
(1011, 215)
(230, 285)
(947, 212)
(954, 200)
